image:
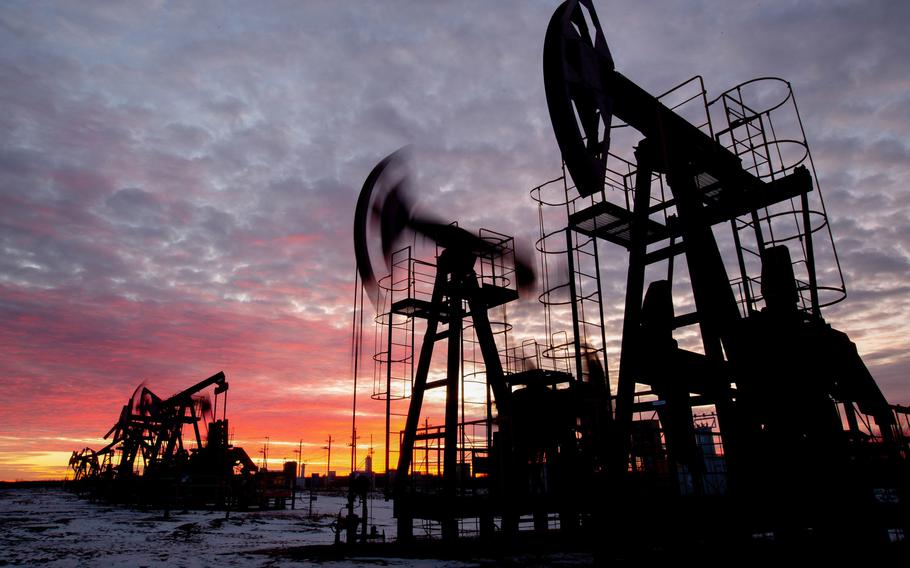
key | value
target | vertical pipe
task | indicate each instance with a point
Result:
(810, 255)
(388, 394)
(573, 300)
(635, 281)
(747, 293)
(759, 236)
(328, 461)
(453, 379)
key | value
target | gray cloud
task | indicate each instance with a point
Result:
(206, 157)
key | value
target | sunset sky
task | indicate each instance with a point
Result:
(177, 182)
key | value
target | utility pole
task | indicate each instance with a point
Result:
(354, 438)
(299, 460)
(265, 454)
(369, 462)
(328, 463)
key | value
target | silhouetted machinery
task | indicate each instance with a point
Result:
(747, 412)
(148, 462)
(786, 387)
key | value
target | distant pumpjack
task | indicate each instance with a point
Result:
(154, 460)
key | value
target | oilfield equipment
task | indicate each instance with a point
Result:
(731, 401)
(148, 462)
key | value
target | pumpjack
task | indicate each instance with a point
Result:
(786, 386)
(535, 423)
(749, 408)
(148, 462)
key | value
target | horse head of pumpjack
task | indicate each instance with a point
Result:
(384, 206)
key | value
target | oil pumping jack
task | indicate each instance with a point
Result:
(547, 422)
(457, 294)
(776, 372)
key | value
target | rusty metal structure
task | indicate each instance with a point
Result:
(731, 399)
(149, 462)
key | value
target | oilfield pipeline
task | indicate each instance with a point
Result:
(733, 412)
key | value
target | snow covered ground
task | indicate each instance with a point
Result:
(51, 527)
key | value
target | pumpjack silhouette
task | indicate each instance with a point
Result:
(748, 409)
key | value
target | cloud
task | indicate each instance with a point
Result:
(177, 183)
